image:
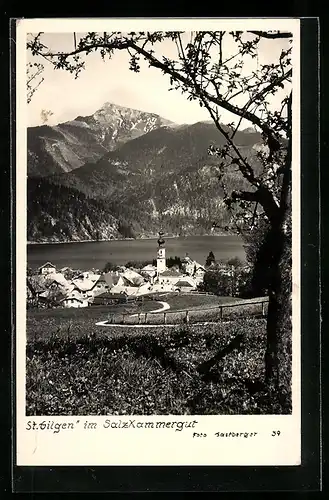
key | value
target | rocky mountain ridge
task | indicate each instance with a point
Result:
(163, 177)
(69, 145)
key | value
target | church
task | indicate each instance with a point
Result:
(161, 255)
(191, 276)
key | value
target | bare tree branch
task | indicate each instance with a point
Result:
(272, 36)
(245, 195)
(175, 74)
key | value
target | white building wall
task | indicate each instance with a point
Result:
(161, 260)
(74, 303)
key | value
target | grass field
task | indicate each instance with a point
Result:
(148, 371)
(182, 301)
(43, 323)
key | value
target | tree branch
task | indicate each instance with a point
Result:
(269, 87)
(286, 183)
(272, 36)
(245, 195)
(154, 62)
(243, 165)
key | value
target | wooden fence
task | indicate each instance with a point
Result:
(250, 308)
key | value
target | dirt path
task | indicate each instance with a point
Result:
(173, 325)
(164, 307)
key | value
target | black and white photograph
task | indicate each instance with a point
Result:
(160, 225)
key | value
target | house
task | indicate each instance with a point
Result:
(128, 290)
(110, 299)
(112, 278)
(119, 297)
(162, 287)
(56, 277)
(100, 286)
(193, 268)
(48, 267)
(86, 282)
(144, 289)
(56, 282)
(65, 269)
(51, 297)
(78, 294)
(149, 271)
(169, 277)
(87, 276)
(134, 278)
(185, 284)
(73, 301)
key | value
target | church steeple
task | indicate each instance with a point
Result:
(161, 241)
(161, 255)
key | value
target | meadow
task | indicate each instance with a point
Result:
(43, 323)
(77, 368)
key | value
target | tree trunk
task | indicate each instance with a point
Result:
(279, 332)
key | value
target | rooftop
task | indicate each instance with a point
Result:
(47, 264)
(171, 272)
(184, 283)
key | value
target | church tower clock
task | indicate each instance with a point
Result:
(161, 255)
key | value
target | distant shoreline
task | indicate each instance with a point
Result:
(121, 239)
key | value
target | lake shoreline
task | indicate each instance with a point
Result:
(96, 254)
(124, 239)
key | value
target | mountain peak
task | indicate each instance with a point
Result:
(87, 138)
(112, 107)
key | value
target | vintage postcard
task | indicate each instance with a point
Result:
(157, 242)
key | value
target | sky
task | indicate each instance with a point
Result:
(112, 81)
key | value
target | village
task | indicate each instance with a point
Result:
(67, 288)
(48, 286)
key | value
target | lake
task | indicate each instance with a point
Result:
(95, 254)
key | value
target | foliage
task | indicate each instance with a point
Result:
(125, 229)
(215, 281)
(54, 297)
(228, 280)
(33, 78)
(65, 212)
(210, 259)
(29, 271)
(139, 264)
(174, 262)
(69, 274)
(110, 266)
(151, 372)
(235, 262)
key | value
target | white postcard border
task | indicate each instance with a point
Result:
(116, 445)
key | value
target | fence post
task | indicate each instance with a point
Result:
(187, 318)
(263, 308)
(139, 318)
(145, 318)
(164, 318)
